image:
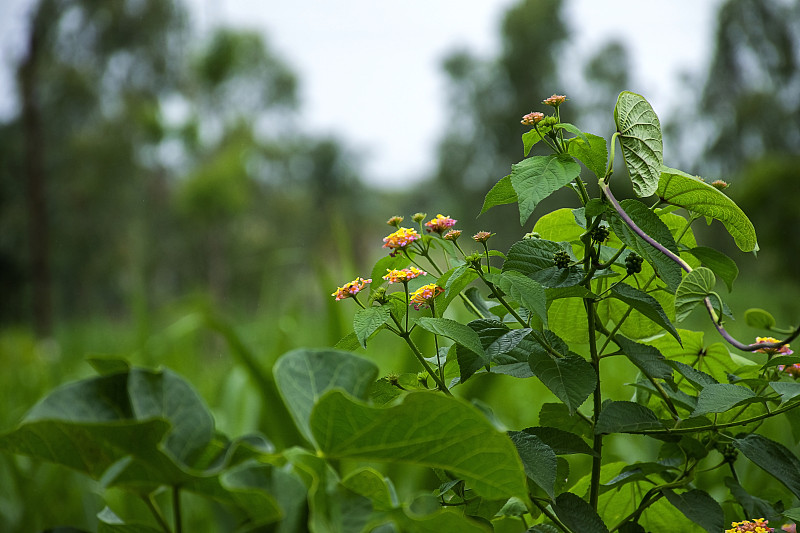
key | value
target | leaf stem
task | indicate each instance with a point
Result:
(176, 508)
(162, 522)
(439, 382)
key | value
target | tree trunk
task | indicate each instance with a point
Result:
(38, 235)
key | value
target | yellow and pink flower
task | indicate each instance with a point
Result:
(759, 525)
(351, 289)
(555, 100)
(422, 297)
(403, 275)
(440, 223)
(400, 239)
(783, 350)
(531, 119)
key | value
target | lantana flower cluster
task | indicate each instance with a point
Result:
(440, 223)
(758, 525)
(400, 239)
(351, 288)
(422, 297)
(403, 275)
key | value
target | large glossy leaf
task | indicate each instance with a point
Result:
(640, 138)
(774, 458)
(699, 507)
(427, 429)
(571, 378)
(534, 258)
(304, 375)
(647, 221)
(536, 178)
(530, 138)
(558, 226)
(679, 188)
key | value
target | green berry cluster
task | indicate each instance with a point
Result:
(633, 263)
(561, 259)
(600, 234)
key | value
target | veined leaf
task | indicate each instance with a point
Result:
(698, 507)
(640, 138)
(456, 331)
(573, 129)
(619, 417)
(426, 429)
(368, 320)
(649, 222)
(647, 358)
(501, 193)
(577, 514)
(719, 397)
(536, 178)
(693, 194)
(719, 263)
(571, 378)
(646, 305)
(774, 458)
(593, 153)
(538, 459)
(759, 319)
(694, 288)
(527, 292)
(304, 375)
(558, 226)
(530, 138)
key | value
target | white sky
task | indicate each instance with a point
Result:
(370, 71)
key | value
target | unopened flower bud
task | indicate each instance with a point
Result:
(555, 100)
(532, 235)
(452, 235)
(549, 121)
(395, 221)
(531, 119)
(418, 217)
(720, 185)
(482, 236)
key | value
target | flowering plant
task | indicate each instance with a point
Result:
(623, 420)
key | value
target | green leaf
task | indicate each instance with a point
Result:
(695, 287)
(621, 417)
(573, 130)
(497, 340)
(527, 292)
(699, 507)
(788, 390)
(368, 320)
(640, 138)
(719, 397)
(647, 358)
(427, 429)
(536, 178)
(558, 415)
(593, 153)
(562, 442)
(558, 226)
(530, 138)
(459, 333)
(538, 459)
(501, 193)
(752, 505)
(109, 522)
(759, 319)
(371, 484)
(646, 305)
(577, 514)
(722, 265)
(304, 375)
(693, 194)
(695, 377)
(571, 378)
(642, 216)
(774, 458)
(387, 263)
(534, 258)
(108, 365)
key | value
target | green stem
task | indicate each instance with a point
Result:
(597, 400)
(436, 345)
(545, 511)
(439, 382)
(176, 508)
(162, 522)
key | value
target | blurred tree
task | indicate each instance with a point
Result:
(750, 99)
(605, 75)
